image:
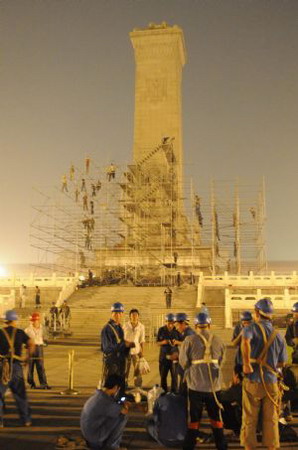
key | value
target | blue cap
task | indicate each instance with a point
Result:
(202, 319)
(246, 315)
(117, 307)
(182, 317)
(10, 315)
(265, 306)
(170, 317)
(295, 307)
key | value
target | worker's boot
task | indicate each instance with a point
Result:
(190, 440)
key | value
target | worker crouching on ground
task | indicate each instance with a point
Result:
(12, 340)
(104, 416)
(35, 332)
(200, 357)
(263, 351)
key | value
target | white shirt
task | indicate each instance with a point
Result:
(35, 334)
(136, 335)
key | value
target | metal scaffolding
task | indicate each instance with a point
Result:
(236, 232)
(140, 221)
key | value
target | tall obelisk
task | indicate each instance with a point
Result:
(159, 56)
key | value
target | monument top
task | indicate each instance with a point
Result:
(157, 33)
(157, 26)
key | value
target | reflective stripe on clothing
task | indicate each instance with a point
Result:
(193, 425)
(197, 402)
(205, 361)
(216, 423)
(197, 375)
(112, 339)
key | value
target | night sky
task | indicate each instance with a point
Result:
(67, 90)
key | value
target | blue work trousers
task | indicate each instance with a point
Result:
(115, 436)
(17, 387)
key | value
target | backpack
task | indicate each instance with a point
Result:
(168, 423)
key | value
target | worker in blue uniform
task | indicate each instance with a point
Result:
(104, 416)
(167, 338)
(201, 357)
(12, 340)
(182, 326)
(115, 349)
(245, 320)
(291, 335)
(263, 352)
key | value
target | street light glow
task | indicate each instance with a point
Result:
(3, 271)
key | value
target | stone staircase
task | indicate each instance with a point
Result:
(215, 301)
(90, 307)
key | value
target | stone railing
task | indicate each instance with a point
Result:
(250, 280)
(233, 300)
(67, 284)
(7, 301)
(31, 281)
(67, 290)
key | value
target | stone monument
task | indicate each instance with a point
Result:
(156, 232)
(159, 56)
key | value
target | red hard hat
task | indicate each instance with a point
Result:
(35, 316)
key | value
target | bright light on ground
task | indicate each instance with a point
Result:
(3, 271)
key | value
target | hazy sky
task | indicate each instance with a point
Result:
(67, 89)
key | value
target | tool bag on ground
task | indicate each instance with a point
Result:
(168, 423)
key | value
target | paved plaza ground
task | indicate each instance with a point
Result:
(55, 414)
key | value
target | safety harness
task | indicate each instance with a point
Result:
(208, 360)
(118, 340)
(262, 363)
(7, 359)
(237, 339)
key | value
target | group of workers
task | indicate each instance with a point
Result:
(193, 357)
